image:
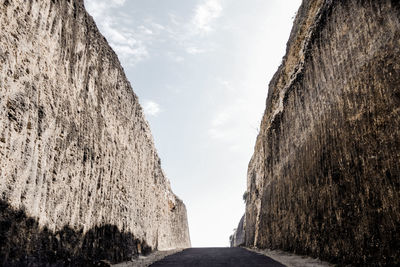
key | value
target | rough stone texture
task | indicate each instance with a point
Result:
(324, 179)
(238, 237)
(79, 174)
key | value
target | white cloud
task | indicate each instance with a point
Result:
(129, 54)
(157, 26)
(118, 2)
(205, 14)
(174, 57)
(97, 8)
(190, 33)
(145, 30)
(221, 119)
(151, 108)
(194, 50)
(223, 126)
(126, 42)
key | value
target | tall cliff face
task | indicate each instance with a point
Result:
(324, 179)
(79, 173)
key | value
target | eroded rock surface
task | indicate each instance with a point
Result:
(324, 179)
(79, 173)
(237, 239)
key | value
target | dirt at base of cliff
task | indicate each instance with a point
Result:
(292, 260)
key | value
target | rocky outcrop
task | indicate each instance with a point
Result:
(324, 179)
(238, 239)
(79, 174)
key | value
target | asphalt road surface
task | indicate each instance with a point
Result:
(210, 257)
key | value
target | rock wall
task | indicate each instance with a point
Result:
(238, 237)
(79, 174)
(324, 179)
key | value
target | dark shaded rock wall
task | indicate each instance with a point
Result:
(26, 243)
(76, 153)
(324, 179)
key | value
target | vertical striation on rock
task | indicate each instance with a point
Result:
(80, 177)
(324, 179)
(237, 239)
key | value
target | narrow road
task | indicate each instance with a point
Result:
(210, 257)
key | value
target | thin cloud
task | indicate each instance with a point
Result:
(98, 7)
(145, 30)
(230, 124)
(124, 42)
(194, 50)
(205, 14)
(151, 108)
(176, 58)
(118, 2)
(221, 119)
(223, 126)
(191, 33)
(95, 8)
(123, 39)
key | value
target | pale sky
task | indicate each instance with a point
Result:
(201, 70)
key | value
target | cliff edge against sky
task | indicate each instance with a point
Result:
(80, 177)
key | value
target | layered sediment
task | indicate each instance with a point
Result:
(80, 177)
(324, 179)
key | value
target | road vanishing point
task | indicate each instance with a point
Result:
(210, 257)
